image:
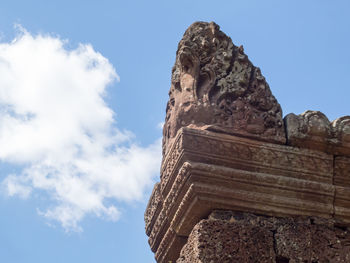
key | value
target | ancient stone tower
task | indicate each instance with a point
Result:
(238, 183)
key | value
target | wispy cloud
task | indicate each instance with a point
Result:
(55, 123)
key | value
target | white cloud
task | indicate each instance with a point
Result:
(55, 123)
(14, 186)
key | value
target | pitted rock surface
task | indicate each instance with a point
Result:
(215, 86)
(228, 236)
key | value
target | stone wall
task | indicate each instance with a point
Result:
(228, 236)
(282, 186)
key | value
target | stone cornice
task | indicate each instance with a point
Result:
(206, 170)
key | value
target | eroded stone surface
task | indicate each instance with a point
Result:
(313, 130)
(228, 236)
(342, 171)
(215, 86)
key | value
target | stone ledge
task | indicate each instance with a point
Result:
(204, 171)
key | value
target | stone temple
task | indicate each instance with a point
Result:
(238, 182)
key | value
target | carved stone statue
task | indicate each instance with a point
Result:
(214, 86)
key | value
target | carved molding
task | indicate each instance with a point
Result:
(170, 162)
(153, 207)
(211, 186)
(207, 170)
(259, 156)
(169, 205)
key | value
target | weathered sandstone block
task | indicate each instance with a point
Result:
(313, 130)
(228, 236)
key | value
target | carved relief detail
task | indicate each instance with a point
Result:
(164, 245)
(154, 203)
(175, 189)
(156, 230)
(169, 202)
(170, 161)
(264, 155)
(214, 84)
(183, 205)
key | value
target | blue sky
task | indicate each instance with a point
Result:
(302, 48)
